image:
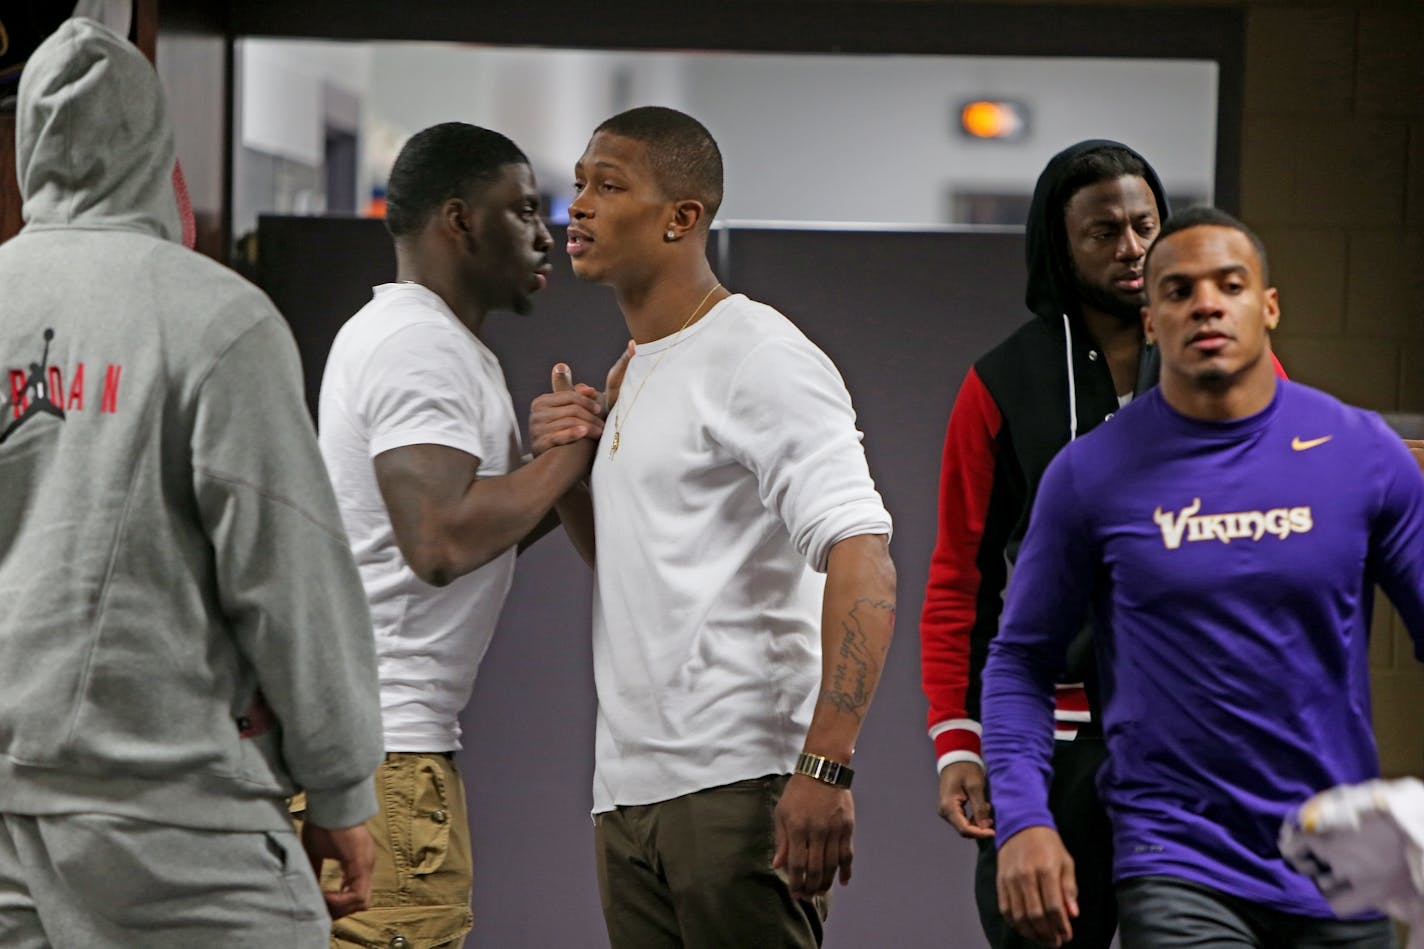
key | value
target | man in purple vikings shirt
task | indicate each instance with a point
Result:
(1227, 529)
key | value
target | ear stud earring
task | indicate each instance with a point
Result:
(669, 234)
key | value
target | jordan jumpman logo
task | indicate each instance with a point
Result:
(39, 400)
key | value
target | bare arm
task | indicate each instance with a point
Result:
(563, 416)
(448, 522)
(576, 512)
(547, 523)
(857, 621)
(815, 821)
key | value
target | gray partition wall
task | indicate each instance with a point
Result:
(903, 315)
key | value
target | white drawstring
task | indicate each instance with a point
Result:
(1072, 386)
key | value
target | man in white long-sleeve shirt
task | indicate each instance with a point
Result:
(732, 676)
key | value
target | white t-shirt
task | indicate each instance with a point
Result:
(404, 371)
(739, 466)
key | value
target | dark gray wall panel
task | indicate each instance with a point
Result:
(903, 316)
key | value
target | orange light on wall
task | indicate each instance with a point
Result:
(995, 119)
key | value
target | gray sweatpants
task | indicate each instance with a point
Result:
(1163, 912)
(94, 881)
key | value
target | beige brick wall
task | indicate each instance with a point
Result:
(1333, 175)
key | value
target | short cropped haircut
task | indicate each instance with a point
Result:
(440, 163)
(1204, 216)
(1105, 163)
(683, 154)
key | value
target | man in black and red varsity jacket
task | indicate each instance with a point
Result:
(1096, 209)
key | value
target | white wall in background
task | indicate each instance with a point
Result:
(843, 138)
(811, 138)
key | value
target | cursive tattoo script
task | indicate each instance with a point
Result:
(856, 670)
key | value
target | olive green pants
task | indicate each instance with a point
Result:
(695, 873)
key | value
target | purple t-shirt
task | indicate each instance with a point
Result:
(1231, 567)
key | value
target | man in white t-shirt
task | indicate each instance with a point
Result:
(732, 675)
(422, 444)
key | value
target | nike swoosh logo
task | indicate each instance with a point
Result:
(1298, 445)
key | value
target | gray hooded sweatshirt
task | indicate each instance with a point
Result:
(169, 542)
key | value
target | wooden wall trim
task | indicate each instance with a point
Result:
(849, 26)
(10, 204)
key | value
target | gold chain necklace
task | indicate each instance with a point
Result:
(618, 413)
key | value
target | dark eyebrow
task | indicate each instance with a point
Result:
(1178, 277)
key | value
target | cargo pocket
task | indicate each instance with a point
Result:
(404, 927)
(429, 820)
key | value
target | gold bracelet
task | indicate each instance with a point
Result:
(823, 769)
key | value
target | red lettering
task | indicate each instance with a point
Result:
(76, 391)
(111, 389)
(56, 386)
(18, 400)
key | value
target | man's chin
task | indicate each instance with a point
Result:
(1128, 310)
(1125, 308)
(585, 272)
(1213, 378)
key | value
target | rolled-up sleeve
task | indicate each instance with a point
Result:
(789, 420)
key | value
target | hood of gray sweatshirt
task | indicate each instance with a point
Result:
(93, 145)
(169, 543)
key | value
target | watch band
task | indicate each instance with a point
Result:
(824, 769)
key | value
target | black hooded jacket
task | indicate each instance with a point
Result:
(1016, 409)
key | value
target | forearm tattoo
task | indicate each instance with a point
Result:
(856, 668)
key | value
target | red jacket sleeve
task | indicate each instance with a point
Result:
(965, 488)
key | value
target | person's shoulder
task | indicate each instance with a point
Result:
(1024, 373)
(199, 284)
(1033, 341)
(396, 320)
(1315, 409)
(743, 315)
(744, 327)
(208, 305)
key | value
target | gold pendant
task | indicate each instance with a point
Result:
(613, 449)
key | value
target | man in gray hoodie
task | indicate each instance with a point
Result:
(170, 552)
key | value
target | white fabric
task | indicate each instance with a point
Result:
(739, 467)
(117, 15)
(1363, 845)
(404, 371)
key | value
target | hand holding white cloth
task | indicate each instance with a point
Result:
(1363, 845)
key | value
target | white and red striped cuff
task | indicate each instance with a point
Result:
(957, 739)
(1070, 703)
(1070, 709)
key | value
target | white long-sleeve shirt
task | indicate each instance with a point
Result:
(739, 466)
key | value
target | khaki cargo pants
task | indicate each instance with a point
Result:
(420, 898)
